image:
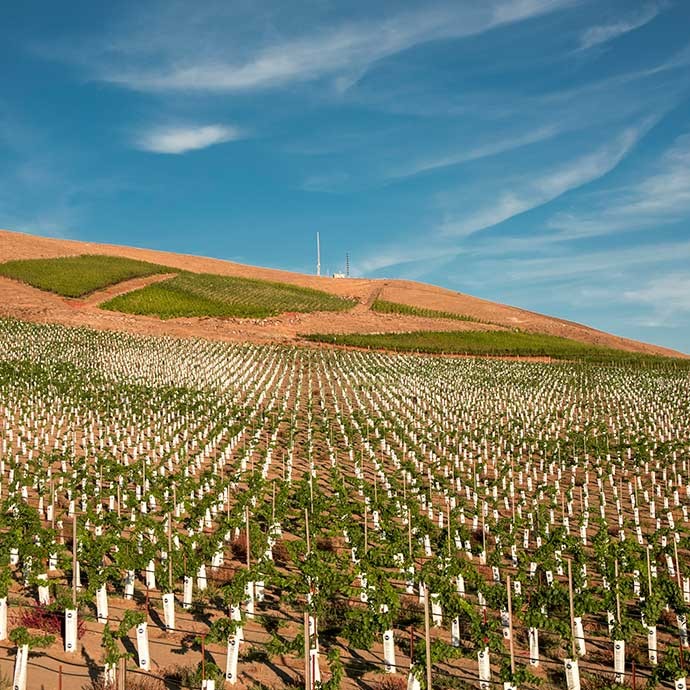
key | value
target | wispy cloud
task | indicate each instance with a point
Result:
(176, 140)
(660, 197)
(493, 148)
(339, 52)
(563, 267)
(603, 33)
(668, 296)
(449, 238)
(411, 253)
(332, 183)
(546, 187)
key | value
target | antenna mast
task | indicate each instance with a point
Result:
(347, 265)
(318, 255)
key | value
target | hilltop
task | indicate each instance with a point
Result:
(415, 306)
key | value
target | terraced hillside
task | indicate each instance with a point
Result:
(415, 306)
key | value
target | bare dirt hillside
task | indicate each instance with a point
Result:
(25, 302)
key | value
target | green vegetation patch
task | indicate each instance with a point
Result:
(76, 276)
(203, 294)
(384, 307)
(498, 343)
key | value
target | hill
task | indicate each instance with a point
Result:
(407, 306)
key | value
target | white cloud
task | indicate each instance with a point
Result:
(670, 292)
(177, 140)
(603, 33)
(425, 252)
(668, 296)
(661, 197)
(493, 148)
(546, 187)
(609, 262)
(340, 52)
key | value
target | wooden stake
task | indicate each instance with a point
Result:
(450, 550)
(306, 529)
(675, 553)
(122, 674)
(634, 679)
(649, 573)
(409, 531)
(512, 488)
(170, 569)
(618, 596)
(366, 529)
(427, 637)
(311, 489)
(572, 607)
(52, 504)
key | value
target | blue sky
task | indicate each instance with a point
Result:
(533, 152)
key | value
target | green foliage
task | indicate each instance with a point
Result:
(76, 276)
(202, 294)
(178, 391)
(335, 666)
(130, 619)
(221, 629)
(21, 636)
(384, 307)
(668, 669)
(5, 581)
(111, 649)
(361, 628)
(498, 343)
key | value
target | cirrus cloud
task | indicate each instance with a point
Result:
(604, 33)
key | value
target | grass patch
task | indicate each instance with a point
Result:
(203, 294)
(76, 276)
(498, 343)
(384, 307)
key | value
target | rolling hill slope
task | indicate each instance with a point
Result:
(17, 299)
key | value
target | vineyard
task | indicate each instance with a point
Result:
(385, 307)
(76, 276)
(182, 295)
(495, 343)
(194, 514)
(192, 294)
